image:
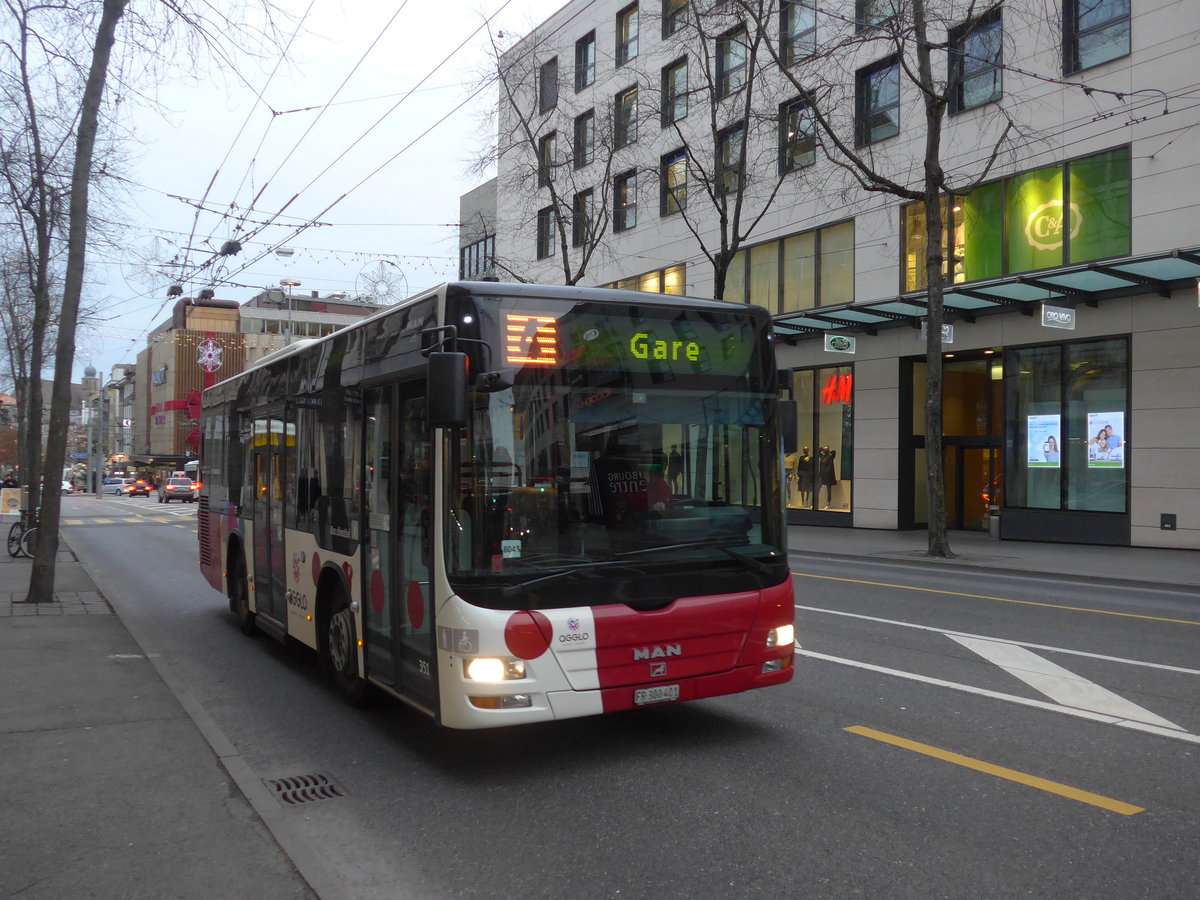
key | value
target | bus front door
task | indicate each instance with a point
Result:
(398, 612)
(269, 460)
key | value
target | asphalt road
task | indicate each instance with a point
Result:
(1024, 755)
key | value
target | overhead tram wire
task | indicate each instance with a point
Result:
(310, 222)
(446, 59)
(271, 221)
(325, 107)
(258, 95)
(410, 92)
(300, 229)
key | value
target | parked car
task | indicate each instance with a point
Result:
(67, 487)
(136, 487)
(176, 488)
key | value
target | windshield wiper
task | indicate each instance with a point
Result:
(749, 561)
(511, 590)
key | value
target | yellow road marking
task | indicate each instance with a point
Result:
(907, 587)
(978, 765)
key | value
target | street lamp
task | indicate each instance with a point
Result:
(289, 283)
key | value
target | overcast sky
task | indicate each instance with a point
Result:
(398, 214)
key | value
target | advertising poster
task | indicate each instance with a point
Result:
(1106, 440)
(1044, 436)
(10, 501)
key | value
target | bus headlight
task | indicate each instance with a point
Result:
(491, 670)
(783, 636)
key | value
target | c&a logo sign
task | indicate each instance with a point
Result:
(1045, 225)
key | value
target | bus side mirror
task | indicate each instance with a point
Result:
(789, 422)
(446, 391)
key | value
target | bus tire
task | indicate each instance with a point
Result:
(339, 651)
(239, 596)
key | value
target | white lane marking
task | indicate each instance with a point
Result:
(1059, 684)
(1010, 698)
(950, 633)
(1188, 589)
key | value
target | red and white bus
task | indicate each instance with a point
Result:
(510, 503)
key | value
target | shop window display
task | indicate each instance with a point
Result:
(820, 473)
(1071, 444)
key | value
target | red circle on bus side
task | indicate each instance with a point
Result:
(527, 634)
(316, 567)
(377, 592)
(416, 605)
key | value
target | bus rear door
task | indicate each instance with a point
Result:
(269, 461)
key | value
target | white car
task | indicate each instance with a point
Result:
(177, 488)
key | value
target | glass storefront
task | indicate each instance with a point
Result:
(972, 429)
(820, 474)
(1069, 445)
(1039, 434)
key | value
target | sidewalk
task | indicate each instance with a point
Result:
(976, 552)
(110, 788)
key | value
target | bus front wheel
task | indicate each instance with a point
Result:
(339, 652)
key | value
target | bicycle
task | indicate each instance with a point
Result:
(22, 537)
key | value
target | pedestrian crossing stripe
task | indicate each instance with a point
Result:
(140, 520)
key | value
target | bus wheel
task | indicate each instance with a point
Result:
(239, 596)
(339, 652)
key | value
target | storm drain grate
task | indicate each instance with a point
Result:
(296, 789)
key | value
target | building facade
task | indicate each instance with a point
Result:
(773, 153)
(205, 341)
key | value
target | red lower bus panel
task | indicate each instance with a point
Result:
(733, 682)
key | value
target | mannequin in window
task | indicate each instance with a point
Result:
(804, 473)
(827, 473)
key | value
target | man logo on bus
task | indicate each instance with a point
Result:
(666, 650)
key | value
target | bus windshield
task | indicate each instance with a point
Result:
(624, 460)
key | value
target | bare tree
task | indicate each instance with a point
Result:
(728, 164)
(853, 106)
(723, 155)
(54, 68)
(564, 160)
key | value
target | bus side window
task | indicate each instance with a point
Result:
(308, 480)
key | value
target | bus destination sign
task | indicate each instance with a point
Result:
(681, 345)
